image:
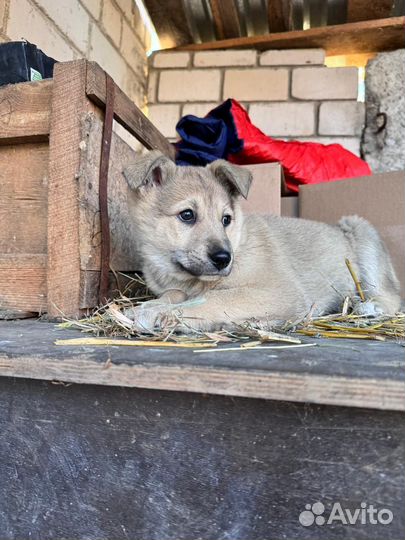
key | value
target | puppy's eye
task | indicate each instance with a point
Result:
(187, 216)
(226, 220)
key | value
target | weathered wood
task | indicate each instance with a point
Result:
(126, 112)
(350, 38)
(69, 106)
(95, 462)
(22, 284)
(25, 112)
(226, 19)
(120, 197)
(363, 10)
(359, 375)
(23, 200)
(170, 21)
(278, 15)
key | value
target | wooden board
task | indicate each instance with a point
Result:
(94, 462)
(126, 112)
(350, 38)
(25, 111)
(226, 19)
(69, 106)
(23, 199)
(366, 374)
(363, 10)
(120, 199)
(22, 284)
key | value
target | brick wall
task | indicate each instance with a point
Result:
(111, 32)
(289, 94)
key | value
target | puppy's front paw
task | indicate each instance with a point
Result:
(151, 316)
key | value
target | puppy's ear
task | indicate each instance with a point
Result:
(151, 169)
(238, 178)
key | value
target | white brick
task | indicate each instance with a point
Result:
(132, 50)
(26, 21)
(152, 86)
(112, 21)
(93, 6)
(126, 7)
(126, 136)
(134, 88)
(165, 118)
(70, 17)
(325, 83)
(256, 84)
(195, 85)
(2, 12)
(284, 119)
(171, 59)
(350, 143)
(292, 57)
(341, 118)
(225, 58)
(198, 109)
(106, 55)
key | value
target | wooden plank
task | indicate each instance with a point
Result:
(226, 19)
(358, 375)
(278, 15)
(23, 200)
(25, 111)
(91, 462)
(69, 106)
(126, 112)
(120, 200)
(350, 38)
(22, 283)
(363, 10)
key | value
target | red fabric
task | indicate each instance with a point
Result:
(303, 163)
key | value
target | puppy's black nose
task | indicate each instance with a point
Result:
(220, 258)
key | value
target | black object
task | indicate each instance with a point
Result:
(21, 61)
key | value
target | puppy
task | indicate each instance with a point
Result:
(217, 268)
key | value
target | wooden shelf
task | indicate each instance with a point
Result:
(368, 374)
(351, 38)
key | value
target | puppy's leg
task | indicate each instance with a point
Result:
(376, 272)
(224, 308)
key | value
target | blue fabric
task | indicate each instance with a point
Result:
(204, 140)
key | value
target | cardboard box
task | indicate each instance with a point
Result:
(265, 192)
(379, 198)
(289, 207)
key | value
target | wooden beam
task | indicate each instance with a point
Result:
(364, 10)
(278, 15)
(126, 112)
(226, 19)
(25, 112)
(350, 38)
(69, 106)
(170, 21)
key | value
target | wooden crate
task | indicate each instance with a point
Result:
(50, 148)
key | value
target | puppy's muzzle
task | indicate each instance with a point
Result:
(220, 258)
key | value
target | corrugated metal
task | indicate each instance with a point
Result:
(254, 16)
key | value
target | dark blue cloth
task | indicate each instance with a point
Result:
(204, 140)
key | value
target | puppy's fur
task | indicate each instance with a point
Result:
(281, 268)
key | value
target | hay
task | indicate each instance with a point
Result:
(110, 321)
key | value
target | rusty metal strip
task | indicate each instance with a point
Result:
(103, 190)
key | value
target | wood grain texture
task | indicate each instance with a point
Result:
(23, 199)
(69, 106)
(25, 111)
(126, 112)
(120, 199)
(361, 37)
(358, 375)
(278, 15)
(226, 19)
(363, 10)
(94, 462)
(22, 284)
